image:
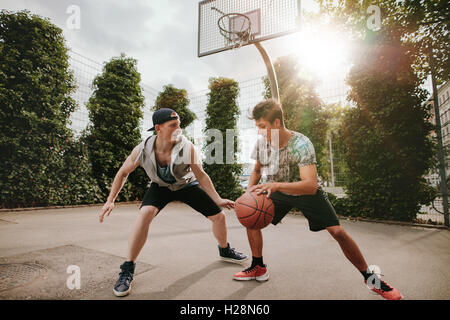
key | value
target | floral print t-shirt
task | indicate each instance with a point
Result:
(283, 166)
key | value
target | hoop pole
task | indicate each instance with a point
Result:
(270, 71)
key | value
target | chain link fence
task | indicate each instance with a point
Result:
(85, 70)
(251, 92)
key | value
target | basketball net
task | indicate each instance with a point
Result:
(235, 28)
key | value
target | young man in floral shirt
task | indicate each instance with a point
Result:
(284, 155)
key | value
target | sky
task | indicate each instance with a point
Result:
(160, 34)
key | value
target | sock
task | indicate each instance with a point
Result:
(129, 265)
(383, 285)
(257, 261)
(366, 274)
(226, 248)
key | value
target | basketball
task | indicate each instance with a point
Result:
(254, 211)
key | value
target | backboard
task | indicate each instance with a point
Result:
(265, 19)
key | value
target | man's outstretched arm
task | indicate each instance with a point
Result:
(128, 166)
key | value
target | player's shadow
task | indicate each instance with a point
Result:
(174, 290)
(242, 293)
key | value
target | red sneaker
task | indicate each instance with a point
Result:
(257, 272)
(383, 289)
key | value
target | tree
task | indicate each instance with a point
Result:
(387, 136)
(41, 162)
(115, 112)
(222, 111)
(422, 24)
(302, 107)
(177, 100)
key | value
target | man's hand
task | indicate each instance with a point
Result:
(225, 203)
(266, 188)
(107, 208)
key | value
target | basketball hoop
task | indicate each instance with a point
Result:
(235, 28)
(226, 24)
(252, 22)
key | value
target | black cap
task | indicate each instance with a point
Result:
(163, 115)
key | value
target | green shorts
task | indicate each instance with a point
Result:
(316, 208)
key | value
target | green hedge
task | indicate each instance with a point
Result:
(387, 136)
(177, 100)
(115, 112)
(40, 161)
(222, 111)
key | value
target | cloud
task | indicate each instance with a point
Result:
(111, 26)
(160, 34)
(107, 26)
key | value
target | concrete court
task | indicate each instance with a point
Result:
(180, 258)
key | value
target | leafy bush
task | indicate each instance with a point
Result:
(343, 206)
(41, 162)
(387, 136)
(222, 111)
(115, 114)
(177, 100)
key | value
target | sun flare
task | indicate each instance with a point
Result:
(323, 51)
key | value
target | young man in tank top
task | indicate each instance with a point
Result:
(296, 157)
(174, 167)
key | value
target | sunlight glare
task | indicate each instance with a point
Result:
(323, 51)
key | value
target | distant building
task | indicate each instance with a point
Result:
(444, 112)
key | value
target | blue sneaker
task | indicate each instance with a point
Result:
(123, 284)
(231, 255)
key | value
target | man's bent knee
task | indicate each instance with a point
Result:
(337, 232)
(148, 212)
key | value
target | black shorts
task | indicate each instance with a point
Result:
(194, 196)
(316, 208)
